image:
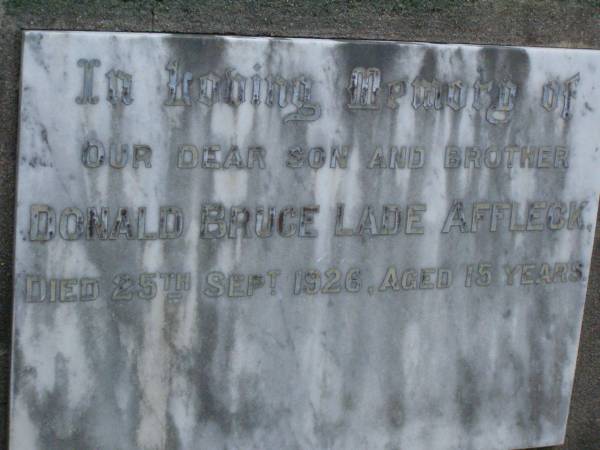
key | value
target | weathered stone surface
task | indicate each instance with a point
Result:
(448, 305)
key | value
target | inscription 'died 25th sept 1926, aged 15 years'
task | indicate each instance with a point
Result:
(292, 243)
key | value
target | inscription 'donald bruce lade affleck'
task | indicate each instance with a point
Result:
(293, 243)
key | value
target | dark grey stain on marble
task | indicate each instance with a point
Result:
(440, 368)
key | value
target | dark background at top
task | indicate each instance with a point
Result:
(554, 23)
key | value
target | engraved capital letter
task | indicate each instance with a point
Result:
(93, 154)
(35, 292)
(179, 89)
(364, 88)
(42, 223)
(88, 81)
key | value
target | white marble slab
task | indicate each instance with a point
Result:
(416, 279)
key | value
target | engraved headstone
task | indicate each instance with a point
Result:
(299, 244)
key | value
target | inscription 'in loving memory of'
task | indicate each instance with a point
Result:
(366, 90)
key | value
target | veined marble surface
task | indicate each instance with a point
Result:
(255, 243)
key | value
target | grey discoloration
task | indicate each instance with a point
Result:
(548, 22)
(239, 367)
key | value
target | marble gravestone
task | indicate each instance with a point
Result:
(256, 243)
